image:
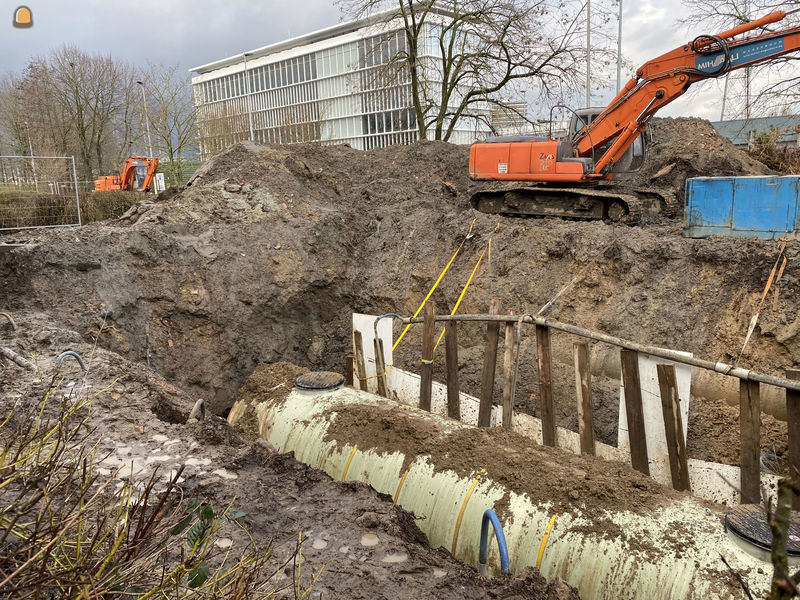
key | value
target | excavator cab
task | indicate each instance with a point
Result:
(139, 178)
(630, 161)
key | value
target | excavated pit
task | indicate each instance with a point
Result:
(268, 251)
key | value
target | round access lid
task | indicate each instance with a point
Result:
(749, 522)
(319, 380)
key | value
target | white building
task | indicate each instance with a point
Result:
(331, 85)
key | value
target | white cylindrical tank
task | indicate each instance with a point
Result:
(668, 551)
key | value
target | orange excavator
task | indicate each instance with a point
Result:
(137, 176)
(574, 174)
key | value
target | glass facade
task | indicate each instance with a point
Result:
(346, 93)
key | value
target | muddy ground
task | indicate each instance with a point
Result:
(269, 250)
(365, 546)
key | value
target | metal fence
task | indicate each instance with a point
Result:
(40, 191)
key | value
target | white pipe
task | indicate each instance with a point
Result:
(670, 553)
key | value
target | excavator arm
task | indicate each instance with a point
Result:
(661, 80)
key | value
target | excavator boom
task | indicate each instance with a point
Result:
(664, 79)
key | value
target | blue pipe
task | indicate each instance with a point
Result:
(74, 355)
(490, 516)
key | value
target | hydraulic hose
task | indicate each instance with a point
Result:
(490, 517)
(704, 44)
(74, 355)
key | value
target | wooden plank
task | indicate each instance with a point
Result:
(583, 390)
(377, 347)
(426, 372)
(793, 421)
(546, 385)
(348, 370)
(361, 372)
(750, 431)
(489, 366)
(508, 373)
(673, 426)
(451, 357)
(634, 411)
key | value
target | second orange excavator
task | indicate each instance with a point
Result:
(137, 176)
(573, 174)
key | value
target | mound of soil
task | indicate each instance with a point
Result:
(544, 474)
(689, 147)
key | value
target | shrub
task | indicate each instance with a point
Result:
(65, 532)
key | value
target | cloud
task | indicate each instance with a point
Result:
(181, 32)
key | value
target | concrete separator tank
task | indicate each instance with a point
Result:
(666, 549)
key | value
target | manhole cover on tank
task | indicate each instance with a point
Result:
(319, 380)
(749, 522)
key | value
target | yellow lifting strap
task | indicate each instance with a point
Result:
(466, 285)
(486, 250)
(435, 285)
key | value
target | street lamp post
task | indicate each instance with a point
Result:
(588, 53)
(247, 95)
(619, 50)
(33, 162)
(146, 120)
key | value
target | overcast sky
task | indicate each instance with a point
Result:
(195, 32)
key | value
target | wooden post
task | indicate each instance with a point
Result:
(426, 372)
(451, 357)
(360, 362)
(348, 370)
(583, 390)
(750, 428)
(673, 426)
(634, 411)
(380, 367)
(546, 385)
(489, 365)
(508, 373)
(793, 419)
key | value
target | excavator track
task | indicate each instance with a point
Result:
(607, 204)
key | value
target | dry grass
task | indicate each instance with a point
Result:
(66, 531)
(32, 210)
(784, 159)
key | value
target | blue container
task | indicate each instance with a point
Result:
(763, 207)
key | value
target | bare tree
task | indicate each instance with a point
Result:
(458, 56)
(172, 116)
(300, 123)
(70, 103)
(768, 88)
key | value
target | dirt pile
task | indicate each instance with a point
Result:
(544, 474)
(140, 421)
(689, 147)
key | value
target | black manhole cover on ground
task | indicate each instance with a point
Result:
(319, 380)
(749, 522)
